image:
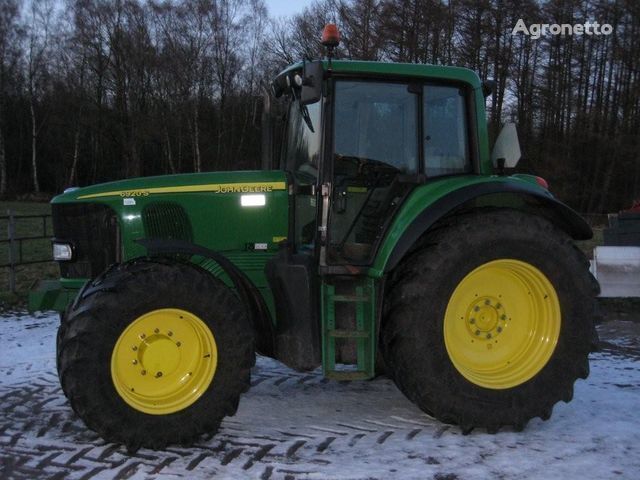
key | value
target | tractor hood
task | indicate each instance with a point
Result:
(206, 183)
(231, 212)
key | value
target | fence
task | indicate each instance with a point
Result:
(15, 242)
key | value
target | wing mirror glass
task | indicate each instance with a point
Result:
(311, 90)
(507, 148)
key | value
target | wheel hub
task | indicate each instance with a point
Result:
(486, 318)
(164, 361)
(502, 324)
(158, 355)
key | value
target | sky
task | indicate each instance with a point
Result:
(278, 8)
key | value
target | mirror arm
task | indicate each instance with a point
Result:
(500, 166)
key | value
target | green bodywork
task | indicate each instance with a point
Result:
(218, 220)
(249, 235)
(426, 195)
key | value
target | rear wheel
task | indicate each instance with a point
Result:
(492, 321)
(155, 353)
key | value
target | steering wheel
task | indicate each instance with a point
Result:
(363, 164)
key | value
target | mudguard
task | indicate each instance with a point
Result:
(403, 235)
(249, 294)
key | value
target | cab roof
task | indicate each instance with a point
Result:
(417, 70)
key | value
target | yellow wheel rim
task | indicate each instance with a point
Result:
(164, 361)
(502, 324)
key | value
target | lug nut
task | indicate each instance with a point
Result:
(143, 336)
(158, 375)
(477, 332)
(488, 335)
(170, 333)
(499, 329)
(157, 330)
(503, 317)
(498, 305)
(476, 308)
(178, 344)
(134, 348)
(487, 302)
(472, 321)
(135, 362)
(143, 372)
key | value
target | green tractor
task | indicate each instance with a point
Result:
(384, 238)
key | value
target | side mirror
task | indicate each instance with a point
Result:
(488, 87)
(311, 90)
(507, 147)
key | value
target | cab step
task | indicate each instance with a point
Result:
(347, 375)
(348, 334)
(359, 304)
(350, 298)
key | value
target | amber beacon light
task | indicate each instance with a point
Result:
(330, 36)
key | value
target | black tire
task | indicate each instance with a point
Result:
(59, 337)
(416, 299)
(94, 323)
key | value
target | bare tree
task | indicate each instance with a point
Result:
(39, 31)
(119, 88)
(9, 56)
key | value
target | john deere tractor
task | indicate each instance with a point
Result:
(385, 237)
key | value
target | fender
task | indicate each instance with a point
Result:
(536, 198)
(249, 294)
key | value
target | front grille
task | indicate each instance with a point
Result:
(93, 231)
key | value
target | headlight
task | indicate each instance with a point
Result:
(62, 251)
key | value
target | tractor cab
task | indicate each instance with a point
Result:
(355, 149)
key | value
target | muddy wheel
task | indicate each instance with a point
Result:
(491, 322)
(155, 353)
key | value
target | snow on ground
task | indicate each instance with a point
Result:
(293, 425)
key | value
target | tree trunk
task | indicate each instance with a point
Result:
(76, 155)
(34, 137)
(3, 166)
(197, 162)
(169, 152)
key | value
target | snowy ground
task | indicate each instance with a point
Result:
(293, 425)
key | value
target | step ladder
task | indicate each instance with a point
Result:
(362, 305)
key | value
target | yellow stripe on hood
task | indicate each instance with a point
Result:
(255, 187)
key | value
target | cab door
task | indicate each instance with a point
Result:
(376, 148)
(293, 273)
(301, 159)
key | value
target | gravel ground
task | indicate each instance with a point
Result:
(292, 425)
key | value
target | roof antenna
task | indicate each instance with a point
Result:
(330, 39)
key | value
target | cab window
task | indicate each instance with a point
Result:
(302, 141)
(446, 139)
(301, 157)
(377, 121)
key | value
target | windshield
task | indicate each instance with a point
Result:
(302, 143)
(377, 121)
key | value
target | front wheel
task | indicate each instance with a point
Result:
(155, 353)
(491, 322)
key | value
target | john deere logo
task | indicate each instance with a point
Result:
(242, 188)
